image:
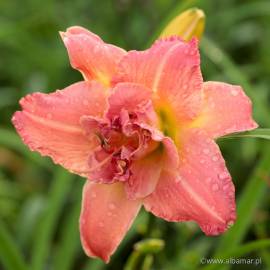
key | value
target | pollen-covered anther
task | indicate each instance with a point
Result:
(107, 147)
(146, 134)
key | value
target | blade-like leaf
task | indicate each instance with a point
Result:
(10, 256)
(262, 133)
(61, 185)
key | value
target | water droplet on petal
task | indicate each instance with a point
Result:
(93, 195)
(101, 224)
(109, 214)
(224, 175)
(234, 92)
(85, 102)
(202, 161)
(177, 180)
(112, 206)
(215, 187)
(208, 180)
(206, 151)
(186, 51)
(215, 158)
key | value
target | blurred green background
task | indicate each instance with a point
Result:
(40, 203)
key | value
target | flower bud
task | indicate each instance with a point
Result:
(188, 24)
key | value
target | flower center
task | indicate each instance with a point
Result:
(123, 139)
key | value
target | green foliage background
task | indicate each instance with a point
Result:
(40, 203)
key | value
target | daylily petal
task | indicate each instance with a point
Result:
(105, 218)
(145, 173)
(90, 55)
(171, 68)
(201, 189)
(130, 97)
(226, 109)
(50, 123)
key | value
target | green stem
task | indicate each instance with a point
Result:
(9, 254)
(147, 262)
(133, 261)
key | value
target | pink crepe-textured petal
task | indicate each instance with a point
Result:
(226, 109)
(127, 96)
(105, 218)
(90, 55)
(50, 123)
(133, 98)
(171, 68)
(200, 190)
(145, 172)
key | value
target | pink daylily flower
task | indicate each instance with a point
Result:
(141, 127)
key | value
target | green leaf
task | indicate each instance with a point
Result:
(247, 248)
(61, 185)
(262, 133)
(9, 254)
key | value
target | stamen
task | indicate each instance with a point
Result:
(122, 166)
(146, 134)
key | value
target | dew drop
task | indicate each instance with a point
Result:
(223, 176)
(93, 195)
(206, 151)
(208, 180)
(215, 158)
(112, 206)
(225, 187)
(166, 192)
(101, 224)
(185, 86)
(202, 161)
(109, 214)
(215, 187)
(85, 102)
(234, 92)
